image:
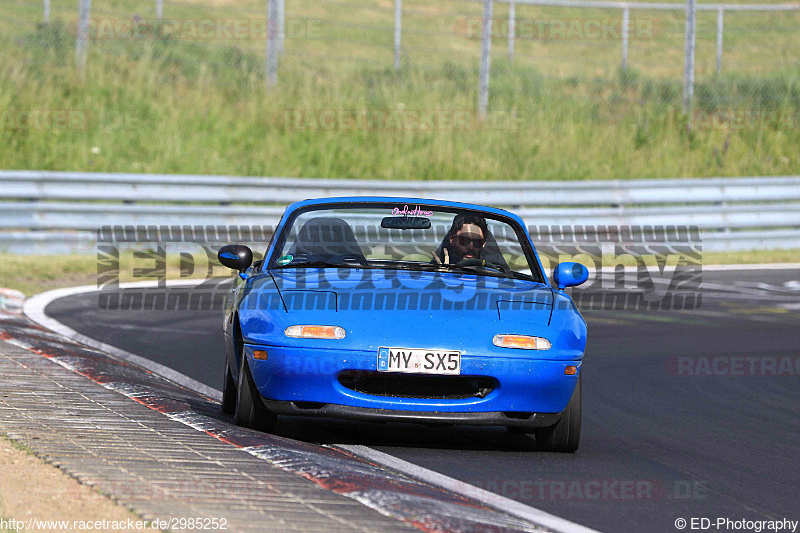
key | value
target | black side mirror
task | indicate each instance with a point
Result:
(236, 256)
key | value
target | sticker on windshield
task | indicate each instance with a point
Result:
(415, 212)
(285, 260)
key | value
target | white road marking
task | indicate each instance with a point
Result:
(34, 309)
(490, 499)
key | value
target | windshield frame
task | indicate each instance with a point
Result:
(537, 275)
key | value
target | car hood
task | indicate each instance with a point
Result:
(405, 309)
(387, 290)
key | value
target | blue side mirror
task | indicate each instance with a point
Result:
(570, 274)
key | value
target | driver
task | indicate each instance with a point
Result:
(465, 240)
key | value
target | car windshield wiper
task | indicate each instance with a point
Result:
(434, 267)
(320, 264)
(479, 270)
(476, 269)
(486, 270)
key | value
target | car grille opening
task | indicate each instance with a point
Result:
(518, 415)
(417, 385)
(309, 405)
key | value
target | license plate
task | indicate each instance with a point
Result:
(419, 361)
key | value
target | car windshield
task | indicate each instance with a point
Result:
(408, 237)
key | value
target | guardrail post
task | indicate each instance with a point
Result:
(486, 60)
(272, 45)
(688, 71)
(626, 17)
(512, 15)
(720, 16)
(398, 31)
(82, 39)
(281, 25)
(46, 16)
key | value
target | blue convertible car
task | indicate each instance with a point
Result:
(400, 309)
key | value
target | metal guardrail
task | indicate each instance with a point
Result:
(66, 216)
(669, 6)
(86, 186)
(59, 211)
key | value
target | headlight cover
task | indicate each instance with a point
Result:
(523, 342)
(314, 332)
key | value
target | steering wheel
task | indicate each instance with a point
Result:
(475, 262)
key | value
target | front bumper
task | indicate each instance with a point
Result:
(526, 387)
(363, 414)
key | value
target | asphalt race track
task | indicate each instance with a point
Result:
(668, 432)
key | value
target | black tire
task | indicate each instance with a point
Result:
(565, 435)
(228, 392)
(250, 411)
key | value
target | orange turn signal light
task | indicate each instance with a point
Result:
(521, 341)
(570, 370)
(315, 332)
(260, 354)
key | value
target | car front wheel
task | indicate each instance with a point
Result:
(250, 410)
(565, 435)
(228, 392)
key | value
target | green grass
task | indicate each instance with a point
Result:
(56, 271)
(751, 257)
(21, 446)
(561, 111)
(48, 272)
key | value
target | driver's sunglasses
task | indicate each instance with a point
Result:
(466, 241)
